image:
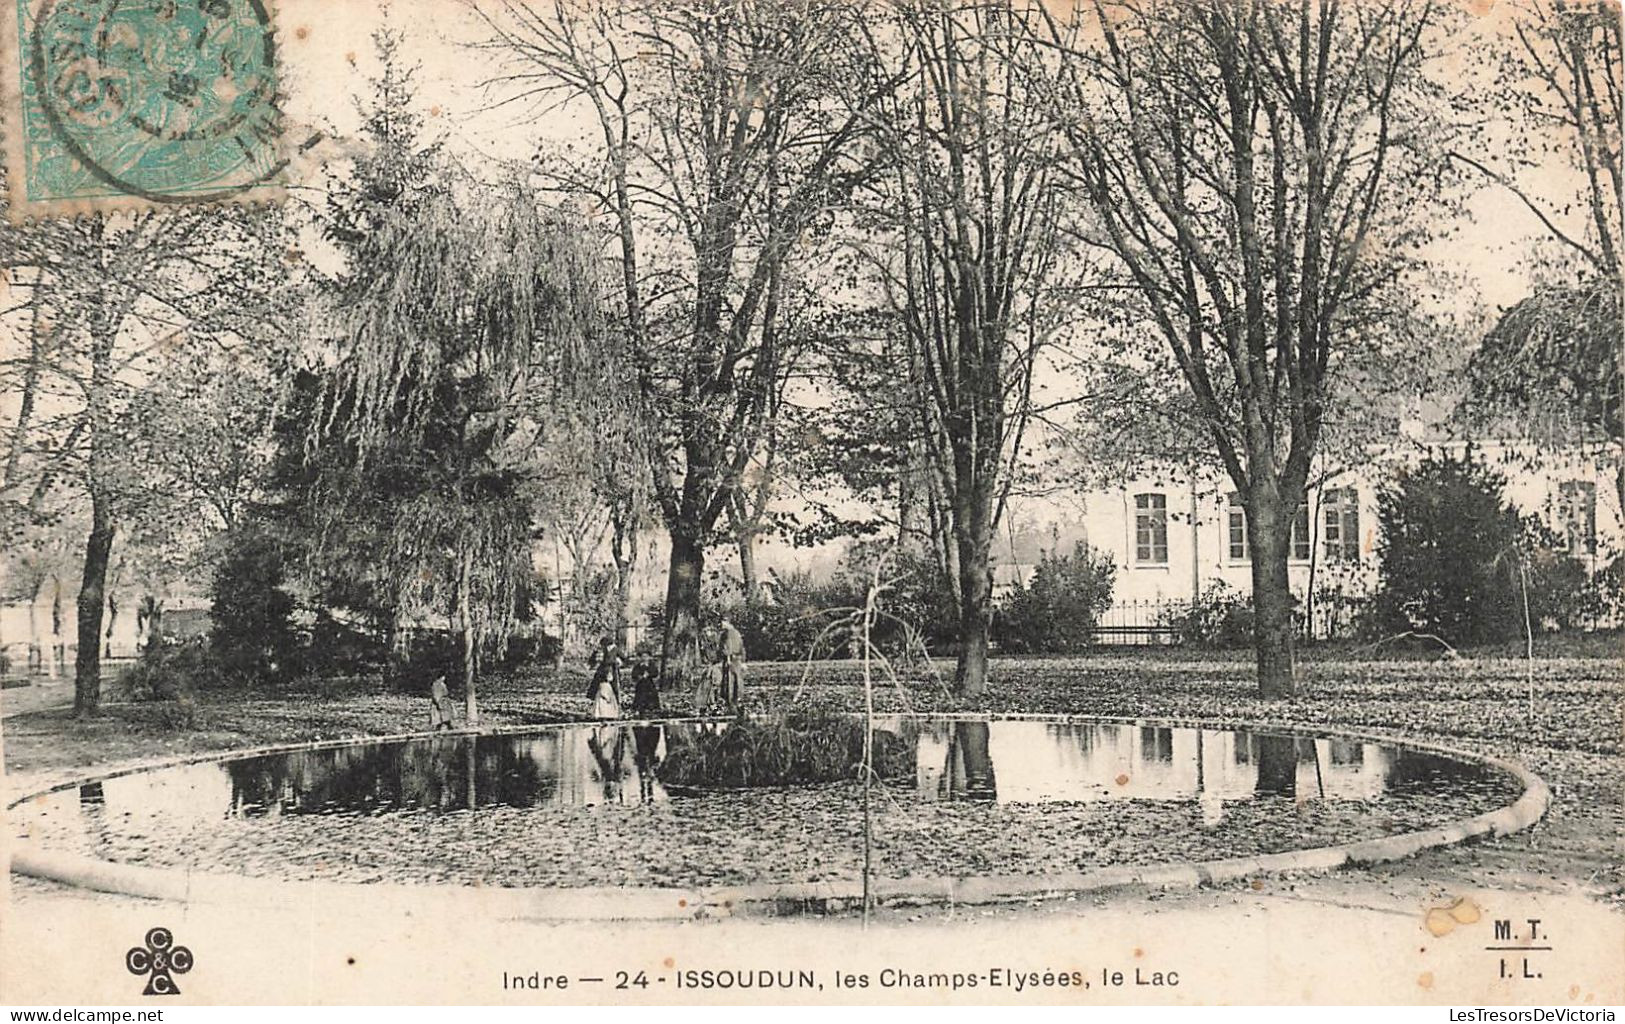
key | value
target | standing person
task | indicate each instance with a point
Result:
(731, 659)
(440, 708)
(645, 688)
(705, 689)
(604, 690)
(708, 685)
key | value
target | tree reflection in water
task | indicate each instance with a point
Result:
(968, 775)
(952, 760)
(1277, 759)
(445, 773)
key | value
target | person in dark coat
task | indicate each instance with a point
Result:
(645, 688)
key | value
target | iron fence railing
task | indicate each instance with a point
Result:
(1181, 620)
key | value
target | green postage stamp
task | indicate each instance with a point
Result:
(119, 103)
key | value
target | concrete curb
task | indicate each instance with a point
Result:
(184, 885)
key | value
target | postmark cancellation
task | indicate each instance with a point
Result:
(113, 104)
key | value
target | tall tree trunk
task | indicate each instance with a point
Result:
(679, 649)
(581, 549)
(398, 646)
(471, 708)
(975, 603)
(36, 655)
(465, 620)
(112, 621)
(1619, 483)
(58, 648)
(747, 513)
(940, 534)
(748, 580)
(87, 665)
(1270, 527)
(31, 376)
(154, 621)
(623, 549)
(906, 512)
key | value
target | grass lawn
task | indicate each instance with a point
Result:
(1570, 732)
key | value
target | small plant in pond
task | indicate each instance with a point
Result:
(801, 747)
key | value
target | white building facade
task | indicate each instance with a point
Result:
(1174, 536)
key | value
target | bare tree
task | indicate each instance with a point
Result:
(1552, 361)
(969, 258)
(1560, 79)
(1263, 174)
(728, 132)
(108, 297)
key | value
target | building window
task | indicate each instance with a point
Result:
(1236, 524)
(1300, 533)
(1156, 744)
(1346, 752)
(1151, 529)
(1340, 525)
(1577, 516)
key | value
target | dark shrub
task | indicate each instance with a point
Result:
(1222, 617)
(251, 630)
(1341, 613)
(174, 672)
(918, 609)
(1562, 595)
(785, 623)
(1605, 595)
(1057, 610)
(802, 615)
(337, 648)
(1455, 556)
(538, 647)
(429, 653)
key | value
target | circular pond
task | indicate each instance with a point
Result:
(689, 804)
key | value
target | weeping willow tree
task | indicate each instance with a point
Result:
(1550, 367)
(467, 316)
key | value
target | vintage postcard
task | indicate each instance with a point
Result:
(511, 502)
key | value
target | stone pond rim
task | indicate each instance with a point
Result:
(185, 885)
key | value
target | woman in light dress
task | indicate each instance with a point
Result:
(605, 688)
(440, 707)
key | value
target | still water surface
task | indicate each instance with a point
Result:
(1002, 762)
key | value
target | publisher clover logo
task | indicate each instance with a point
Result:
(159, 960)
